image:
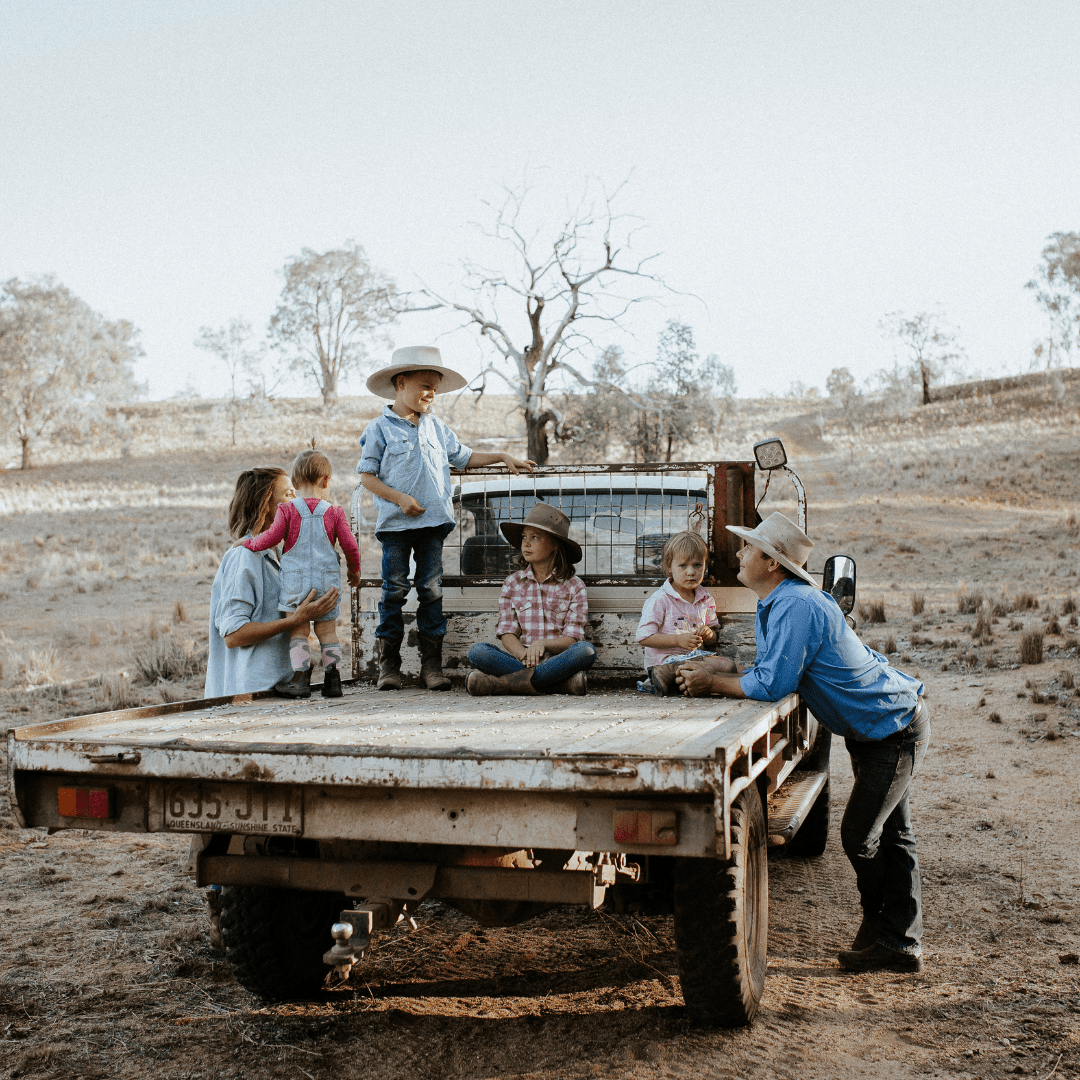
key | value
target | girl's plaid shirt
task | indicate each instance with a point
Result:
(534, 610)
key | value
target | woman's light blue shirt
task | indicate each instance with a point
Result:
(246, 589)
(414, 459)
(805, 644)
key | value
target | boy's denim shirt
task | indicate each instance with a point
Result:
(415, 460)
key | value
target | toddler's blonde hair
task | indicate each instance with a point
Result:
(681, 545)
(310, 467)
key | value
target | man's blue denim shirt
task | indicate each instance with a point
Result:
(414, 459)
(805, 644)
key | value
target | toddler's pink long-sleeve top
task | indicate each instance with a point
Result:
(286, 527)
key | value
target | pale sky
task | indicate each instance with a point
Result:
(803, 168)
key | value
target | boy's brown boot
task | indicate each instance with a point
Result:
(431, 673)
(388, 651)
(519, 682)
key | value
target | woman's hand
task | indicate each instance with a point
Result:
(515, 464)
(534, 653)
(312, 608)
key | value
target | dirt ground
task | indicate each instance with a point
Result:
(105, 965)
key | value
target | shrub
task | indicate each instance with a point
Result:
(1031, 647)
(918, 602)
(967, 603)
(1054, 627)
(1069, 605)
(1066, 680)
(982, 630)
(873, 611)
(1026, 601)
(994, 717)
(890, 644)
(170, 658)
(1003, 605)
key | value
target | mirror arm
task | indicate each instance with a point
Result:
(801, 492)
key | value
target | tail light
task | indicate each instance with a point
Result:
(81, 802)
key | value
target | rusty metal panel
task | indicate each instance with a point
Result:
(694, 837)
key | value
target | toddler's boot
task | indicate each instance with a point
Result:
(388, 651)
(331, 682)
(431, 673)
(298, 686)
(662, 676)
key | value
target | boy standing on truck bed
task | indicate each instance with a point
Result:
(405, 459)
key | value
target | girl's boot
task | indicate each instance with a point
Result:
(388, 651)
(518, 682)
(431, 672)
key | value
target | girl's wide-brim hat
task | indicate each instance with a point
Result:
(415, 358)
(548, 519)
(781, 539)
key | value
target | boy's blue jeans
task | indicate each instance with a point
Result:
(426, 548)
(552, 672)
(877, 835)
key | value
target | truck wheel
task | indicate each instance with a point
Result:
(722, 922)
(809, 842)
(275, 938)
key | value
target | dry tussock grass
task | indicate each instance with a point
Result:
(1031, 646)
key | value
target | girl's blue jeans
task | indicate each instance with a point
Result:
(547, 675)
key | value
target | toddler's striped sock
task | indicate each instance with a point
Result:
(331, 655)
(300, 654)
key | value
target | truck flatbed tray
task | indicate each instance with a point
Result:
(619, 741)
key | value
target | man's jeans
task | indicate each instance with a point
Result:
(877, 835)
(552, 672)
(426, 547)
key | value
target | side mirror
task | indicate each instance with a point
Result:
(770, 454)
(838, 580)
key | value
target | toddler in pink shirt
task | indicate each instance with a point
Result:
(679, 620)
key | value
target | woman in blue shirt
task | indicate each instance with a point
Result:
(249, 637)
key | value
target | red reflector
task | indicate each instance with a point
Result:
(83, 802)
(646, 827)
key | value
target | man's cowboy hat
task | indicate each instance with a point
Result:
(414, 358)
(782, 540)
(546, 518)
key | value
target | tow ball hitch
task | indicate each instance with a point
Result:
(352, 933)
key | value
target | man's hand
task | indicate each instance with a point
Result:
(515, 464)
(534, 653)
(313, 608)
(354, 579)
(410, 507)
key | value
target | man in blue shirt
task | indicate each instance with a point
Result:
(804, 644)
(405, 459)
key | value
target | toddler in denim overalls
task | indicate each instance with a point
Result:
(310, 526)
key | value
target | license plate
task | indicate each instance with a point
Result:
(268, 809)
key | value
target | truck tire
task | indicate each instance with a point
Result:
(809, 842)
(275, 938)
(722, 922)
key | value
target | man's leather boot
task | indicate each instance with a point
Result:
(388, 650)
(331, 682)
(879, 958)
(519, 682)
(431, 673)
(576, 685)
(868, 933)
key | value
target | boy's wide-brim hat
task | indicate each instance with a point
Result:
(549, 519)
(781, 539)
(415, 358)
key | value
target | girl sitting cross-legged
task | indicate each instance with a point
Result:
(542, 613)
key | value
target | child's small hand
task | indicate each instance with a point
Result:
(239, 543)
(708, 635)
(410, 507)
(514, 464)
(688, 640)
(354, 579)
(533, 654)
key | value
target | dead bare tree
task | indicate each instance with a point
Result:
(569, 285)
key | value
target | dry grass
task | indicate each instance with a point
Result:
(873, 611)
(982, 631)
(168, 658)
(918, 603)
(968, 601)
(1031, 647)
(1066, 679)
